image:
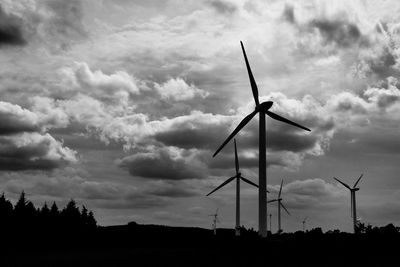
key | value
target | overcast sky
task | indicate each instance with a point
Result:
(120, 105)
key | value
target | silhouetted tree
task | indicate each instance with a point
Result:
(6, 210)
(389, 229)
(91, 221)
(21, 203)
(54, 212)
(71, 216)
(45, 211)
(84, 215)
(6, 207)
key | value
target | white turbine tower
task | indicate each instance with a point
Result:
(238, 177)
(262, 109)
(215, 221)
(353, 200)
(280, 204)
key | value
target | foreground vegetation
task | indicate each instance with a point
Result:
(70, 237)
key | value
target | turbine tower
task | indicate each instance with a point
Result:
(304, 224)
(353, 199)
(215, 221)
(280, 204)
(238, 177)
(270, 223)
(262, 109)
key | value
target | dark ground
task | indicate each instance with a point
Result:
(151, 245)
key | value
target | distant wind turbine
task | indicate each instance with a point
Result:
(353, 199)
(304, 224)
(280, 204)
(238, 177)
(215, 221)
(262, 109)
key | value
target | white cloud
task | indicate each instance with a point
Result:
(178, 89)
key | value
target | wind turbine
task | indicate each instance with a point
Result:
(304, 224)
(280, 204)
(238, 177)
(353, 199)
(262, 109)
(215, 221)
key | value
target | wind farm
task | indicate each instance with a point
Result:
(262, 109)
(238, 178)
(199, 133)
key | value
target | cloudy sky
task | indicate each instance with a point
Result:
(120, 104)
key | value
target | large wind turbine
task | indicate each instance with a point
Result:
(262, 109)
(280, 204)
(238, 177)
(353, 199)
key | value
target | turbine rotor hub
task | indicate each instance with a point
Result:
(264, 106)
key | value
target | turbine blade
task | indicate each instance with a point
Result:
(224, 183)
(273, 200)
(280, 190)
(282, 119)
(248, 181)
(238, 128)
(251, 77)
(342, 183)
(284, 208)
(236, 158)
(358, 181)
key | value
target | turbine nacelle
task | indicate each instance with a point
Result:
(264, 106)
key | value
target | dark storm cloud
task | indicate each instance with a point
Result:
(227, 161)
(14, 119)
(223, 7)
(288, 14)
(187, 137)
(310, 193)
(383, 63)
(11, 32)
(173, 191)
(163, 164)
(283, 141)
(32, 152)
(68, 18)
(23, 143)
(339, 32)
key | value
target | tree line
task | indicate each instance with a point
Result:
(25, 217)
